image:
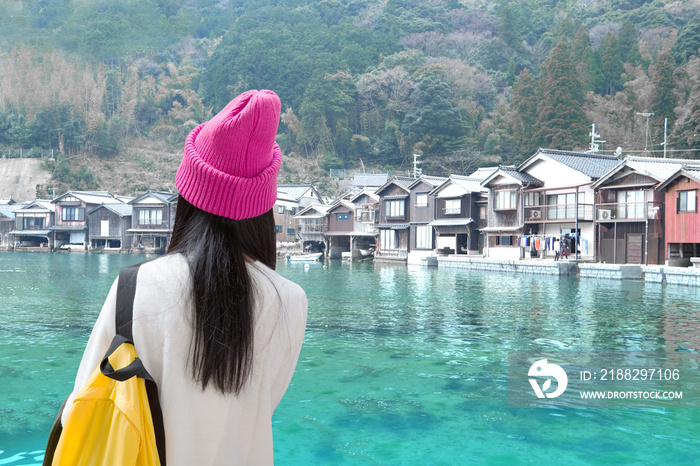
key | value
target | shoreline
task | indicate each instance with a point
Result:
(688, 276)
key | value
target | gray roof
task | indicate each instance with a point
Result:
(164, 197)
(592, 165)
(119, 208)
(7, 213)
(520, 176)
(88, 197)
(687, 170)
(483, 172)
(370, 179)
(295, 190)
(467, 182)
(431, 180)
(657, 168)
(400, 180)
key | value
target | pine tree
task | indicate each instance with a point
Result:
(561, 122)
(665, 99)
(611, 64)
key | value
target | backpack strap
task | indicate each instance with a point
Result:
(124, 318)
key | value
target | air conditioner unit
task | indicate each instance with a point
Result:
(604, 214)
(535, 214)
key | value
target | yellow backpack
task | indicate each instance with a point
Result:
(116, 418)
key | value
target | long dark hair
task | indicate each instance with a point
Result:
(218, 249)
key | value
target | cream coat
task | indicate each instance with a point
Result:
(206, 427)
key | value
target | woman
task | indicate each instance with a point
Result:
(216, 327)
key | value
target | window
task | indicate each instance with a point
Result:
(278, 229)
(290, 231)
(504, 240)
(687, 201)
(453, 206)
(424, 237)
(367, 215)
(342, 216)
(561, 206)
(531, 199)
(506, 200)
(150, 217)
(395, 208)
(389, 239)
(482, 213)
(280, 209)
(33, 223)
(71, 214)
(630, 204)
(422, 200)
(294, 210)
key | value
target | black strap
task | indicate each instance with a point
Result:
(126, 289)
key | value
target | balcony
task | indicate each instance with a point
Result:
(317, 228)
(628, 211)
(558, 213)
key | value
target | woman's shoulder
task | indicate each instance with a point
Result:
(266, 277)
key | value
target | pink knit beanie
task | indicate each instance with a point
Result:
(231, 162)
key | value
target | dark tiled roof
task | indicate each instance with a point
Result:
(520, 176)
(593, 165)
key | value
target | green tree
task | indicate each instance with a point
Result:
(432, 116)
(611, 64)
(524, 108)
(587, 64)
(627, 42)
(688, 41)
(508, 29)
(561, 122)
(326, 112)
(665, 99)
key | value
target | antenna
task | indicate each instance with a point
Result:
(594, 142)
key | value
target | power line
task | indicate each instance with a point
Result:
(655, 150)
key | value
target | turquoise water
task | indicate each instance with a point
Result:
(399, 366)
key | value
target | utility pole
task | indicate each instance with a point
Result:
(417, 172)
(594, 142)
(665, 125)
(646, 139)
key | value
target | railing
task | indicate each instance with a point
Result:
(558, 212)
(312, 228)
(628, 211)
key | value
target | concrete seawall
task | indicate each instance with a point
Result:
(652, 273)
(512, 266)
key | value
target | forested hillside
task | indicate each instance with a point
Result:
(464, 83)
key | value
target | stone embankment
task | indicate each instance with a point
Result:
(652, 273)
